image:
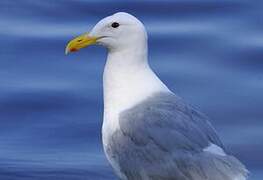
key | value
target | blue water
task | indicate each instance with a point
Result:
(209, 52)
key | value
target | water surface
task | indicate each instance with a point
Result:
(207, 51)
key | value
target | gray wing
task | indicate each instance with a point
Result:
(163, 138)
(166, 115)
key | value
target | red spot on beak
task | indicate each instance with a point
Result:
(73, 49)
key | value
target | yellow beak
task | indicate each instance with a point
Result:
(80, 42)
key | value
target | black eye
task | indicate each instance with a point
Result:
(115, 25)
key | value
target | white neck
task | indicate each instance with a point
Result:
(128, 79)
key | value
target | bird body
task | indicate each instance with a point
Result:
(148, 132)
(164, 138)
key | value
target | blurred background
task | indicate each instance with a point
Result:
(209, 52)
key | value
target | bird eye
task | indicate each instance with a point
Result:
(115, 25)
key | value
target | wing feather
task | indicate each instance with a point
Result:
(164, 138)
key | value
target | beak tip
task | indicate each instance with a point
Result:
(80, 42)
(67, 51)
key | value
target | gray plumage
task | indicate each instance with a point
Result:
(162, 138)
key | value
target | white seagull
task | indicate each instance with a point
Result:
(149, 133)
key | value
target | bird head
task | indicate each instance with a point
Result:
(116, 32)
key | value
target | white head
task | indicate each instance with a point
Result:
(120, 31)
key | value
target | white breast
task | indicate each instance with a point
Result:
(127, 80)
(125, 86)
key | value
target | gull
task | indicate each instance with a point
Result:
(148, 132)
